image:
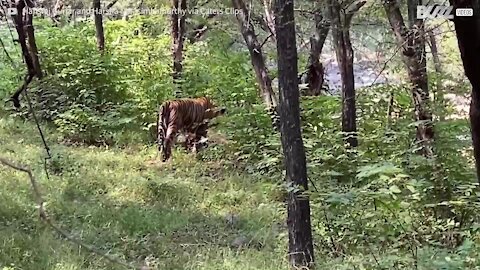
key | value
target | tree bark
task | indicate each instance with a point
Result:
(32, 45)
(315, 72)
(256, 54)
(412, 43)
(22, 39)
(299, 226)
(468, 35)
(178, 37)
(98, 18)
(20, 27)
(269, 18)
(343, 49)
(438, 95)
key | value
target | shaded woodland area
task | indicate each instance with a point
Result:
(351, 138)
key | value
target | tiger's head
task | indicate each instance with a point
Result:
(211, 109)
(214, 112)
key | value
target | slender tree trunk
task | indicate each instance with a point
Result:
(412, 42)
(32, 45)
(438, 95)
(418, 40)
(299, 226)
(269, 17)
(343, 48)
(20, 26)
(22, 39)
(178, 37)
(315, 72)
(256, 54)
(98, 18)
(468, 35)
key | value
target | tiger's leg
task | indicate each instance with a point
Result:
(169, 141)
(190, 136)
(160, 137)
(189, 141)
(199, 133)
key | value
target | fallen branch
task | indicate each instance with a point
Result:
(45, 218)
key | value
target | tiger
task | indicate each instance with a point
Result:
(188, 115)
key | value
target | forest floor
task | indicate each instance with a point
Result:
(185, 214)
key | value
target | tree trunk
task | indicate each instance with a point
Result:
(32, 70)
(343, 49)
(22, 39)
(468, 35)
(256, 54)
(412, 42)
(299, 227)
(178, 36)
(269, 18)
(99, 25)
(438, 95)
(32, 45)
(315, 72)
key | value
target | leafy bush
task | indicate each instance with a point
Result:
(212, 68)
(92, 97)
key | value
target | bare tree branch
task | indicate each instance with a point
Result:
(6, 52)
(266, 39)
(16, 96)
(351, 10)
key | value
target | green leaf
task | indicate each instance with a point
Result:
(395, 189)
(379, 168)
(411, 188)
(333, 173)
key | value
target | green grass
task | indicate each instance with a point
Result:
(173, 216)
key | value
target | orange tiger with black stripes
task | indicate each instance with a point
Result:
(188, 115)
